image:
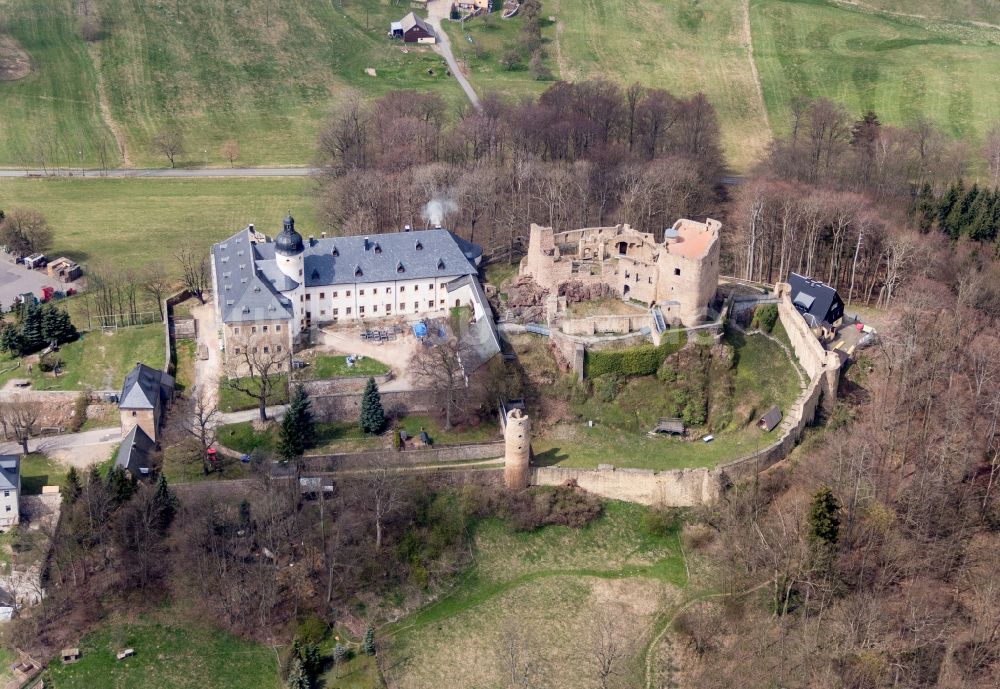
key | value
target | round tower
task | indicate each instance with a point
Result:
(288, 251)
(517, 450)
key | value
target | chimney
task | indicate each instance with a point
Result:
(406, 228)
(323, 235)
(366, 243)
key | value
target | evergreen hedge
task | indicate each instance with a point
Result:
(643, 360)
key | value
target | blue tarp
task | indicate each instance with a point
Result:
(420, 329)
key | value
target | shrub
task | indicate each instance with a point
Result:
(607, 387)
(50, 362)
(558, 506)
(369, 643)
(764, 317)
(660, 521)
(79, 413)
(643, 360)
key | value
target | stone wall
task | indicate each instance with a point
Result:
(594, 325)
(677, 488)
(816, 361)
(347, 406)
(429, 455)
(341, 386)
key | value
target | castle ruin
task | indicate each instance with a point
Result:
(517, 450)
(679, 275)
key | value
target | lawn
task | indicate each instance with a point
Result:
(549, 584)
(763, 376)
(231, 400)
(899, 67)
(37, 470)
(135, 222)
(684, 46)
(168, 657)
(184, 377)
(263, 73)
(98, 360)
(323, 366)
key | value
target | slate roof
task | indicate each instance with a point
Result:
(770, 419)
(411, 20)
(480, 343)
(815, 300)
(10, 469)
(143, 385)
(251, 285)
(135, 452)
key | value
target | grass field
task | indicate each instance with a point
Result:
(987, 11)
(231, 400)
(134, 222)
(97, 360)
(899, 67)
(763, 376)
(548, 584)
(323, 366)
(37, 470)
(262, 72)
(169, 657)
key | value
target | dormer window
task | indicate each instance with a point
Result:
(440, 264)
(378, 248)
(256, 288)
(357, 271)
(400, 268)
(315, 274)
(335, 252)
(419, 246)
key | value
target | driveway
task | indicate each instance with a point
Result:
(438, 11)
(207, 372)
(81, 450)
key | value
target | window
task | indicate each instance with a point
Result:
(322, 295)
(677, 271)
(388, 308)
(348, 310)
(416, 288)
(402, 288)
(236, 330)
(348, 293)
(308, 297)
(375, 308)
(374, 290)
(335, 295)
(277, 328)
(431, 286)
(336, 312)
(6, 493)
(300, 272)
(402, 306)
(322, 312)
(254, 350)
(237, 351)
(442, 303)
(430, 303)
(278, 348)
(388, 290)
(267, 350)
(133, 413)
(361, 292)
(253, 329)
(361, 309)
(651, 279)
(416, 306)
(264, 328)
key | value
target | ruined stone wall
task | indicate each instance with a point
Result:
(594, 325)
(679, 488)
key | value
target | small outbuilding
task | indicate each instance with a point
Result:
(770, 419)
(669, 426)
(64, 270)
(35, 261)
(70, 655)
(412, 29)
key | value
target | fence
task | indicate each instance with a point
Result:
(122, 320)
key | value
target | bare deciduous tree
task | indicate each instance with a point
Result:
(382, 491)
(230, 151)
(25, 231)
(169, 142)
(156, 284)
(518, 662)
(20, 417)
(607, 648)
(439, 368)
(194, 271)
(253, 367)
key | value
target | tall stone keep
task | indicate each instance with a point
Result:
(517, 450)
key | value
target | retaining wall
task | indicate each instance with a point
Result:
(347, 406)
(429, 455)
(594, 325)
(682, 487)
(341, 386)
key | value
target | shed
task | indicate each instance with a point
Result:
(70, 655)
(35, 261)
(64, 269)
(770, 419)
(669, 426)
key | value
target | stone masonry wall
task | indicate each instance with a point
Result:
(347, 406)
(340, 386)
(594, 325)
(447, 453)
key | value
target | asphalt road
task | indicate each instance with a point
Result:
(168, 172)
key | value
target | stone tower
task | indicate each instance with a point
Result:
(517, 450)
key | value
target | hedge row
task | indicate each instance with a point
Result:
(634, 361)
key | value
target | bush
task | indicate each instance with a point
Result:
(660, 521)
(79, 413)
(764, 317)
(559, 506)
(643, 360)
(50, 362)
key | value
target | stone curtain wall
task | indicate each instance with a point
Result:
(595, 325)
(340, 386)
(690, 487)
(445, 453)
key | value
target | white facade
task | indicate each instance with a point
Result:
(369, 300)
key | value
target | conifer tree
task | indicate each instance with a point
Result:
(369, 643)
(71, 489)
(824, 521)
(121, 486)
(298, 429)
(297, 677)
(926, 208)
(372, 413)
(165, 501)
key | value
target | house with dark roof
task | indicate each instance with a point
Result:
(10, 491)
(143, 400)
(269, 294)
(770, 419)
(135, 454)
(817, 302)
(412, 29)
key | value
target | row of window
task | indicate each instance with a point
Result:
(253, 329)
(388, 308)
(361, 292)
(267, 349)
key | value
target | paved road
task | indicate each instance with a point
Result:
(168, 172)
(443, 46)
(77, 449)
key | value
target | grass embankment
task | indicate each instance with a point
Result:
(899, 67)
(262, 73)
(169, 657)
(135, 222)
(762, 376)
(685, 47)
(37, 470)
(347, 436)
(549, 584)
(98, 360)
(186, 353)
(324, 366)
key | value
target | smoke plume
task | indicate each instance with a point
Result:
(437, 208)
